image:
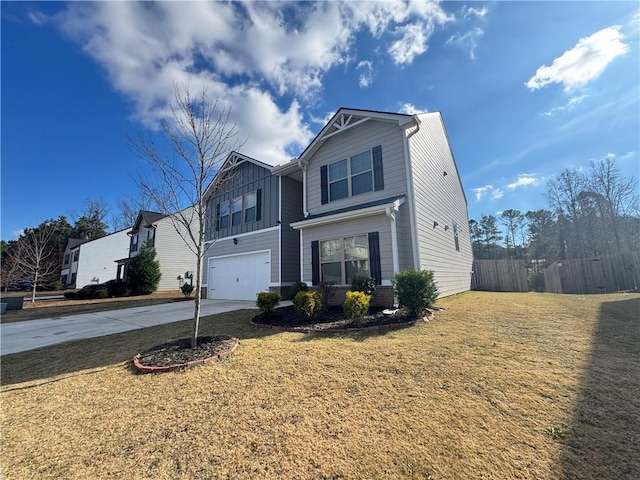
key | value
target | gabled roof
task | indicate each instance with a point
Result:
(147, 218)
(237, 159)
(74, 242)
(342, 120)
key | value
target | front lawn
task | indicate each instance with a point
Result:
(496, 386)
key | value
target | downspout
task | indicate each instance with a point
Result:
(303, 166)
(412, 211)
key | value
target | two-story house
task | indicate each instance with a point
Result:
(91, 261)
(250, 245)
(173, 254)
(381, 193)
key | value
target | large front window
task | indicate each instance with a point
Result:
(341, 259)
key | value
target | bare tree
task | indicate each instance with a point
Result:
(130, 208)
(36, 254)
(512, 221)
(196, 138)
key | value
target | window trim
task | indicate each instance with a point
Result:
(236, 201)
(375, 173)
(342, 254)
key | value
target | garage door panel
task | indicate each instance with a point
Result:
(239, 277)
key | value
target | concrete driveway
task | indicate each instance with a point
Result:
(20, 336)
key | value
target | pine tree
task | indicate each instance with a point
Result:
(144, 273)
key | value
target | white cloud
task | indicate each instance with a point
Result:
(467, 41)
(263, 59)
(475, 12)
(413, 43)
(584, 62)
(523, 180)
(367, 76)
(570, 105)
(16, 234)
(487, 191)
(411, 109)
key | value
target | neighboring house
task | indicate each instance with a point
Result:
(250, 245)
(381, 193)
(91, 261)
(175, 257)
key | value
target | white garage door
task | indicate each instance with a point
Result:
(239, 277)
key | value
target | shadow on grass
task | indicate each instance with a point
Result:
(603, 437)
(99, 352)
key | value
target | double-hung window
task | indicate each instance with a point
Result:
(134, 243)
(66, 259)
(338, 180)
(76, 255)
(236, 211)
(223, 219)
(352, 176)
(341, 259)
(250, 204)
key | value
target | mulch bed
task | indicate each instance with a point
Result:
(333, 319)
(179, 354)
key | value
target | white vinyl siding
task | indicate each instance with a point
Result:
(439, 198)
(174, 255)
(97, 258)
(359, 139)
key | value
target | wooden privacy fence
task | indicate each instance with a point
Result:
(608, 273)
(499, 276)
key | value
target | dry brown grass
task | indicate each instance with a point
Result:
(497, 386)
(61, 307)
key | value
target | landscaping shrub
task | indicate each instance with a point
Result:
(415, 290)
(297, 287)
(326, 291)
(308, 304)
(267, 302)
(363, 283)
(144, 271)
(100, 293)
(186, 288)
(121, 290)
(356, 305)
(70, 295)
(536, 281)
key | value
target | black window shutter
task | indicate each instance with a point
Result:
(374, 257)
(324, 184)
(217, 217)
(259, 204)
(315, 262)
(378, 175)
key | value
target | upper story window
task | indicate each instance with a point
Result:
(456, 242)
(66, 259)
(250, 204)
(76, 254)
(358, 174)
(223, 217)
(236, 211)
(134, 243)
(243, 209)
(151, 236)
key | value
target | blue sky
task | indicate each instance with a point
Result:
(526, 89)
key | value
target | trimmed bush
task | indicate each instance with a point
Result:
(186, 288)
(356, 305)
(363, 283)
(70, 295)
(415, 290)
(536, 281)
(121, 290)
(308, 304)
(267, 302)
(99, 293)
(298, 287)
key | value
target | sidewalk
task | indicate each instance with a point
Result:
(28, 335)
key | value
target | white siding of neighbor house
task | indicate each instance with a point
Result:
(249, 242)
(97, 258)
(172, 252)
(439, 198)
(356, 140)
(360, 226)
